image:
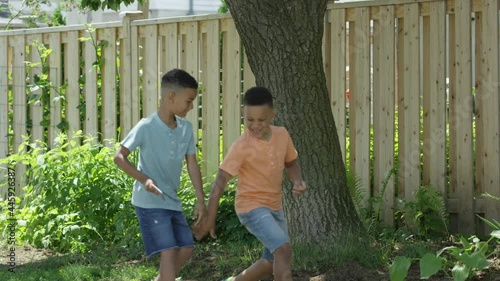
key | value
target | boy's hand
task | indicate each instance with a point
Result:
(150, 186)
(299, 187)
(200, 212)
(203, 229)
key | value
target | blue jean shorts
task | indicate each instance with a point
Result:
(268, 226)
(163, 229)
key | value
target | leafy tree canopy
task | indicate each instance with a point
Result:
(106, 4)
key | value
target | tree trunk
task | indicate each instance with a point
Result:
(283, 40)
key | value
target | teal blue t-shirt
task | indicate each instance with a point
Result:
(161, 154)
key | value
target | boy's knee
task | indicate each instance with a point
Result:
(186, 251)
(283, 252)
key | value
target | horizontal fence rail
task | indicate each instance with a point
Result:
(414, 87)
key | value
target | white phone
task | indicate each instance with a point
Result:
(159, 190)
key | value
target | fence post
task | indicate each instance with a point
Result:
(126, 90)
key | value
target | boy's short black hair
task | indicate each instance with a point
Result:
(178, 78)
(258, 96)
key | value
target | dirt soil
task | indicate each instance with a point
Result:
(350, 272)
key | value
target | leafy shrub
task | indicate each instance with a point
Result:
(426, 215)
(75, 196)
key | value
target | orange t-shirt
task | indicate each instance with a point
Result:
(259, 165)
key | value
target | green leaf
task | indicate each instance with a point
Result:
(104, 43)
(460, 272)
(83, 39)
(63, 125)
(495, 233)
(45, 123)
(430, 264)
(399, 268)
(33, 89)
(476, 260)
(454, 250)
(465, 243)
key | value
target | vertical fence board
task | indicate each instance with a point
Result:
(125, 85)
(170, 44)
(359, 105)
(400, 84)
(231, 77)
(211, 97)
(488, 95)
(478, 105)
(72, 73)
(451, 101)
(435, 97)
(19, 106)
(4, 110)
(190, 64)
(135, 100)
(409, 112)
(150, 91)
(463, 116)
(338, 74)
(55, 76)
(383, 104)
(90, 70)
(108, 92)
(37, 106)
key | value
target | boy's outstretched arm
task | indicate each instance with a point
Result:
(295, 175)
(195, 176)
(213, 202)
(121, 160)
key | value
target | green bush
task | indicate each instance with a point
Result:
(75, 197)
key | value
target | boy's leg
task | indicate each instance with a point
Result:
(184, 240)
(167, 265)
(258, 270)
(183, 255)
(271, 229)
(166, 232)
(171, 262)
(282, 266)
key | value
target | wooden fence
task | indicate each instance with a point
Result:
(422, 75)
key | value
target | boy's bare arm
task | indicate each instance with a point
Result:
(195, 176)
(213, 202)
(295, 175)
(121, 160)
(293, 171)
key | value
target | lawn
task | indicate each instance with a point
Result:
(214, 261)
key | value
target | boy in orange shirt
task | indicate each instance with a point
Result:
(258, 157)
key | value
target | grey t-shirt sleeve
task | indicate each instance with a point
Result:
(134, 138)
(191, 146)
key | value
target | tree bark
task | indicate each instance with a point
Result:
(283, 40)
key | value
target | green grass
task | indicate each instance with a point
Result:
(212, 261)
(319, 258)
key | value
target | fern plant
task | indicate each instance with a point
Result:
(426, 215)
(493, 223)
(369, 214)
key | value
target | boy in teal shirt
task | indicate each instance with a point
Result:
(164, 139)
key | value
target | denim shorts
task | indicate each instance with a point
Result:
(163, 229)
(268, 226)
